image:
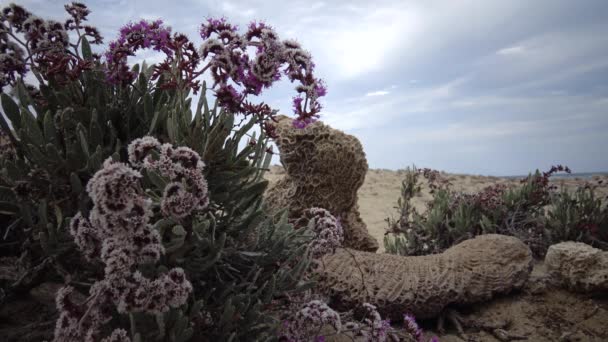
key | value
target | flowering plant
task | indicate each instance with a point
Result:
(104, 177)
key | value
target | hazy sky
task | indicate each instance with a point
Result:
(485, 87)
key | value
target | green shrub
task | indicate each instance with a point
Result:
(579, 216)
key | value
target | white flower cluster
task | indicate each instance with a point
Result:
(328, 232)
(187, 190)
(309, 321)
(118, 232)
(377, 327)
(45, 34)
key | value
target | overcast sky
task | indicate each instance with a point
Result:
(483, 87)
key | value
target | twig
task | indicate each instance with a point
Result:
(360, 270)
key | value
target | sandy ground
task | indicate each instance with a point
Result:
(538, 313)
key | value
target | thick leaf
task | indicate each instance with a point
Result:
(148, 107)
(11, 109)
(82, 138)
(95, 161)
(95, 132)
(22, 94)
(86, 48)
(37, 156)
(76, 184)
(30, 125)
(50, 132)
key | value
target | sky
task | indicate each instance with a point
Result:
(478, 87)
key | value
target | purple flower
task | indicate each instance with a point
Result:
(297, 105)
(215, 26)
(320, 88)
(303, 123)
(412, 327)
(135, 36)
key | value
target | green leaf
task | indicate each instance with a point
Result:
(58, 215)
(156, 179)
(37, 156)
(42, 215)
(11, 109)
(95, 162)
(22, 94)
(95, 133)
(76, 184)
(135, 69)
(50, 132)
(154, 122)
(54, 155)
(30, 125)
(148, 106)
(179, 230)
(86, 48)
(82, 138)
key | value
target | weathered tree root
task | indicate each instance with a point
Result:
(472, 271)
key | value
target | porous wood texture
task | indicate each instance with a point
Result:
(472, 271)
(324, 168)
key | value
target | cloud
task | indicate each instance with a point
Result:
(514, 50)
(378, 93)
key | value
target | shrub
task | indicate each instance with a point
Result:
(532, 211)
(201, 234)
(579, 216)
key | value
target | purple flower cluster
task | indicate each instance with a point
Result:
(135, 36)
(118, 232)
(187, 189)
(228, 63)
(46, 43)
(377, 327)
(327, 230)
(309, 321)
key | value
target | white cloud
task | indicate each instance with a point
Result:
(514, 50)
(378, 93)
